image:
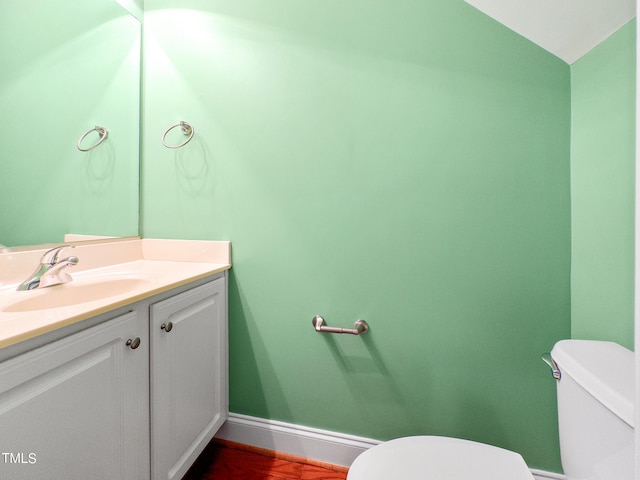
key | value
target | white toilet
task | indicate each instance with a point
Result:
(595, 418)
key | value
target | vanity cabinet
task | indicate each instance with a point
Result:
(188, 340)
(136, 396)
(74, 408)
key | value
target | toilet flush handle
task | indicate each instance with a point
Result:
(555, 371)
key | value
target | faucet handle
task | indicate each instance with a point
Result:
(51, 257)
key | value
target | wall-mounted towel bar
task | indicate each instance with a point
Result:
(103, 132)
(186, 130)
(359, 327)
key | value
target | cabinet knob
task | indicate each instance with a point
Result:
(167, 327)
(133, 343)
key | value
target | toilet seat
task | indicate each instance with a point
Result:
(438, 458)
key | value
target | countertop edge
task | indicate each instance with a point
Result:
(92, 311)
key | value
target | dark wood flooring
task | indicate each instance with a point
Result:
(232, 461)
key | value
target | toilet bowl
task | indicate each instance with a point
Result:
(595, 391)
(437, 458)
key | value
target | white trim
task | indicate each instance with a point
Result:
(636, 298)
(542, 475)
(321, 445)
(313, 443)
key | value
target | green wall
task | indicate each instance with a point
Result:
(602, 190)
(68, 66)
(400, 161)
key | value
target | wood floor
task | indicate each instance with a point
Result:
(232, 461)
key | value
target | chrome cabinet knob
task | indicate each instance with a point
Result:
(133, 343)
(167, 327)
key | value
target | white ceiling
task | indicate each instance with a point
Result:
(566, 28)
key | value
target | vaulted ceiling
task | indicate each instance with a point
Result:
(566, 28)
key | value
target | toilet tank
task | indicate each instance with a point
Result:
(595, 409)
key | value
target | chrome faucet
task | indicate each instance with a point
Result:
(51, 271)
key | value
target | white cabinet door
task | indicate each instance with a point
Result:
(188, 376)
(75, 409)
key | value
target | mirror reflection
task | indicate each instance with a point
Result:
(68, 67)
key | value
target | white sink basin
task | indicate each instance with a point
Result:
(73, 293)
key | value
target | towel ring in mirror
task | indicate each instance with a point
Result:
(103, 132)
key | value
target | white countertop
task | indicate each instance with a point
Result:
(123, 272)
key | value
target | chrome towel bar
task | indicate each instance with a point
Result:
(359, 327)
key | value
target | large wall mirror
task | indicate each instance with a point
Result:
(67, 67)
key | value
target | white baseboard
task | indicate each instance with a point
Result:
(542, 475)
(313, 443)
(321, 445)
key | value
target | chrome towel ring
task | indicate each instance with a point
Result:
(186, 130)
(103, 132)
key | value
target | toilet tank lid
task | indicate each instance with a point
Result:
(604, 369)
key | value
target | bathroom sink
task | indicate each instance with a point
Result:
(73, 293)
